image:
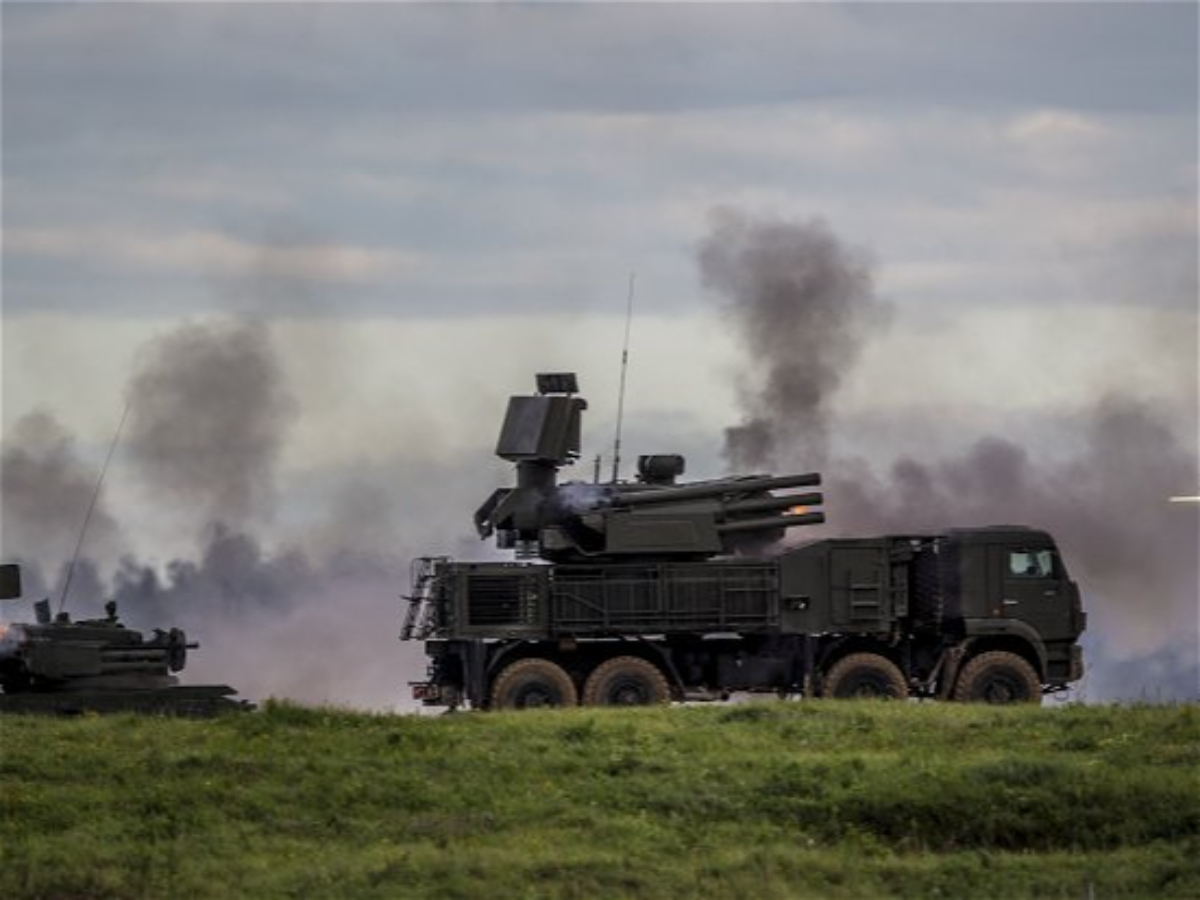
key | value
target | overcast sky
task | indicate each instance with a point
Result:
(388, 161)
(469, 187)
(430, 202)
(462, 191)
(440, 160)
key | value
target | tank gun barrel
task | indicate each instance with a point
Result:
(766, 524)
(712, 489)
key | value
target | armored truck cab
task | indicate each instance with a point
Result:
(648, 592)
(938, 598)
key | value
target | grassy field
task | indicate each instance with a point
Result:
(778, 800)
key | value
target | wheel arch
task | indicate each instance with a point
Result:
(512, 651)
(653, 652)
(1013, 637)
(838, 649)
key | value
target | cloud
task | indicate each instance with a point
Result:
(301, 61)
(210, 252)
(533, 210)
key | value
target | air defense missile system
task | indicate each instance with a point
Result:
(56, 665)
(657, 590)
(653, 517)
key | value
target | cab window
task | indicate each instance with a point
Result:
(1031, 563)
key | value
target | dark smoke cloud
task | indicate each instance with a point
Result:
(211, 410)
(232, 575)
(801, 302)
(208, 416)
(46, 489)
(1134, 554)
(313, 619)
(281, 623)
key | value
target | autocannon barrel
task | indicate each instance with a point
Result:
(711, 489)
(767, 504)
(766, 524)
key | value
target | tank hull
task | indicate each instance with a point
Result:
(187, 701)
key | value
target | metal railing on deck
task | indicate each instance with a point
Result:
(665, 598)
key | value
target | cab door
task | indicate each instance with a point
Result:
(1034, 588)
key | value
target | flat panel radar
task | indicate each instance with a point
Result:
(543, 428)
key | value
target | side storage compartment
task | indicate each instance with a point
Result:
(840, 586)
(497, 600)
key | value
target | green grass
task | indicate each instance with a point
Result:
(779, 800)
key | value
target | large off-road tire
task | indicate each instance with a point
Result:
(626, 681)
(867, 676)
(998, 677)
(532, 683)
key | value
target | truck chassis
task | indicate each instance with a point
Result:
(831, 619)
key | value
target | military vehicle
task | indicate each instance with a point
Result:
(55, 665)
(655, 590)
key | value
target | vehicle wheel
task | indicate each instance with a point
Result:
(531, 683)
(865, 675)
(998, 677)
(626, 681)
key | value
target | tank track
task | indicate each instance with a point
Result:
(185, 701)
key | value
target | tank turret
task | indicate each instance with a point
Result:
(654, 516)
(55, 664)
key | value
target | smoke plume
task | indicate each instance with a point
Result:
(47, 491)
(801, 302)
(1134, 554)
(209, 410)
(208, 417)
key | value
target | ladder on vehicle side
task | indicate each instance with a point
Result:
(420, 619)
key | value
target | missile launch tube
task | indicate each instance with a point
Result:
(715, 489)
(767, 504)
(771, 522)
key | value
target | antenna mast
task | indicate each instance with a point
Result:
(91, 507)
(616, 470)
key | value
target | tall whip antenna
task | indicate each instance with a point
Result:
(87, 518)
(616, 472)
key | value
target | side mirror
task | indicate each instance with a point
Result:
(10, 581)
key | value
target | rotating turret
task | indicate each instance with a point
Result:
(652, 517)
